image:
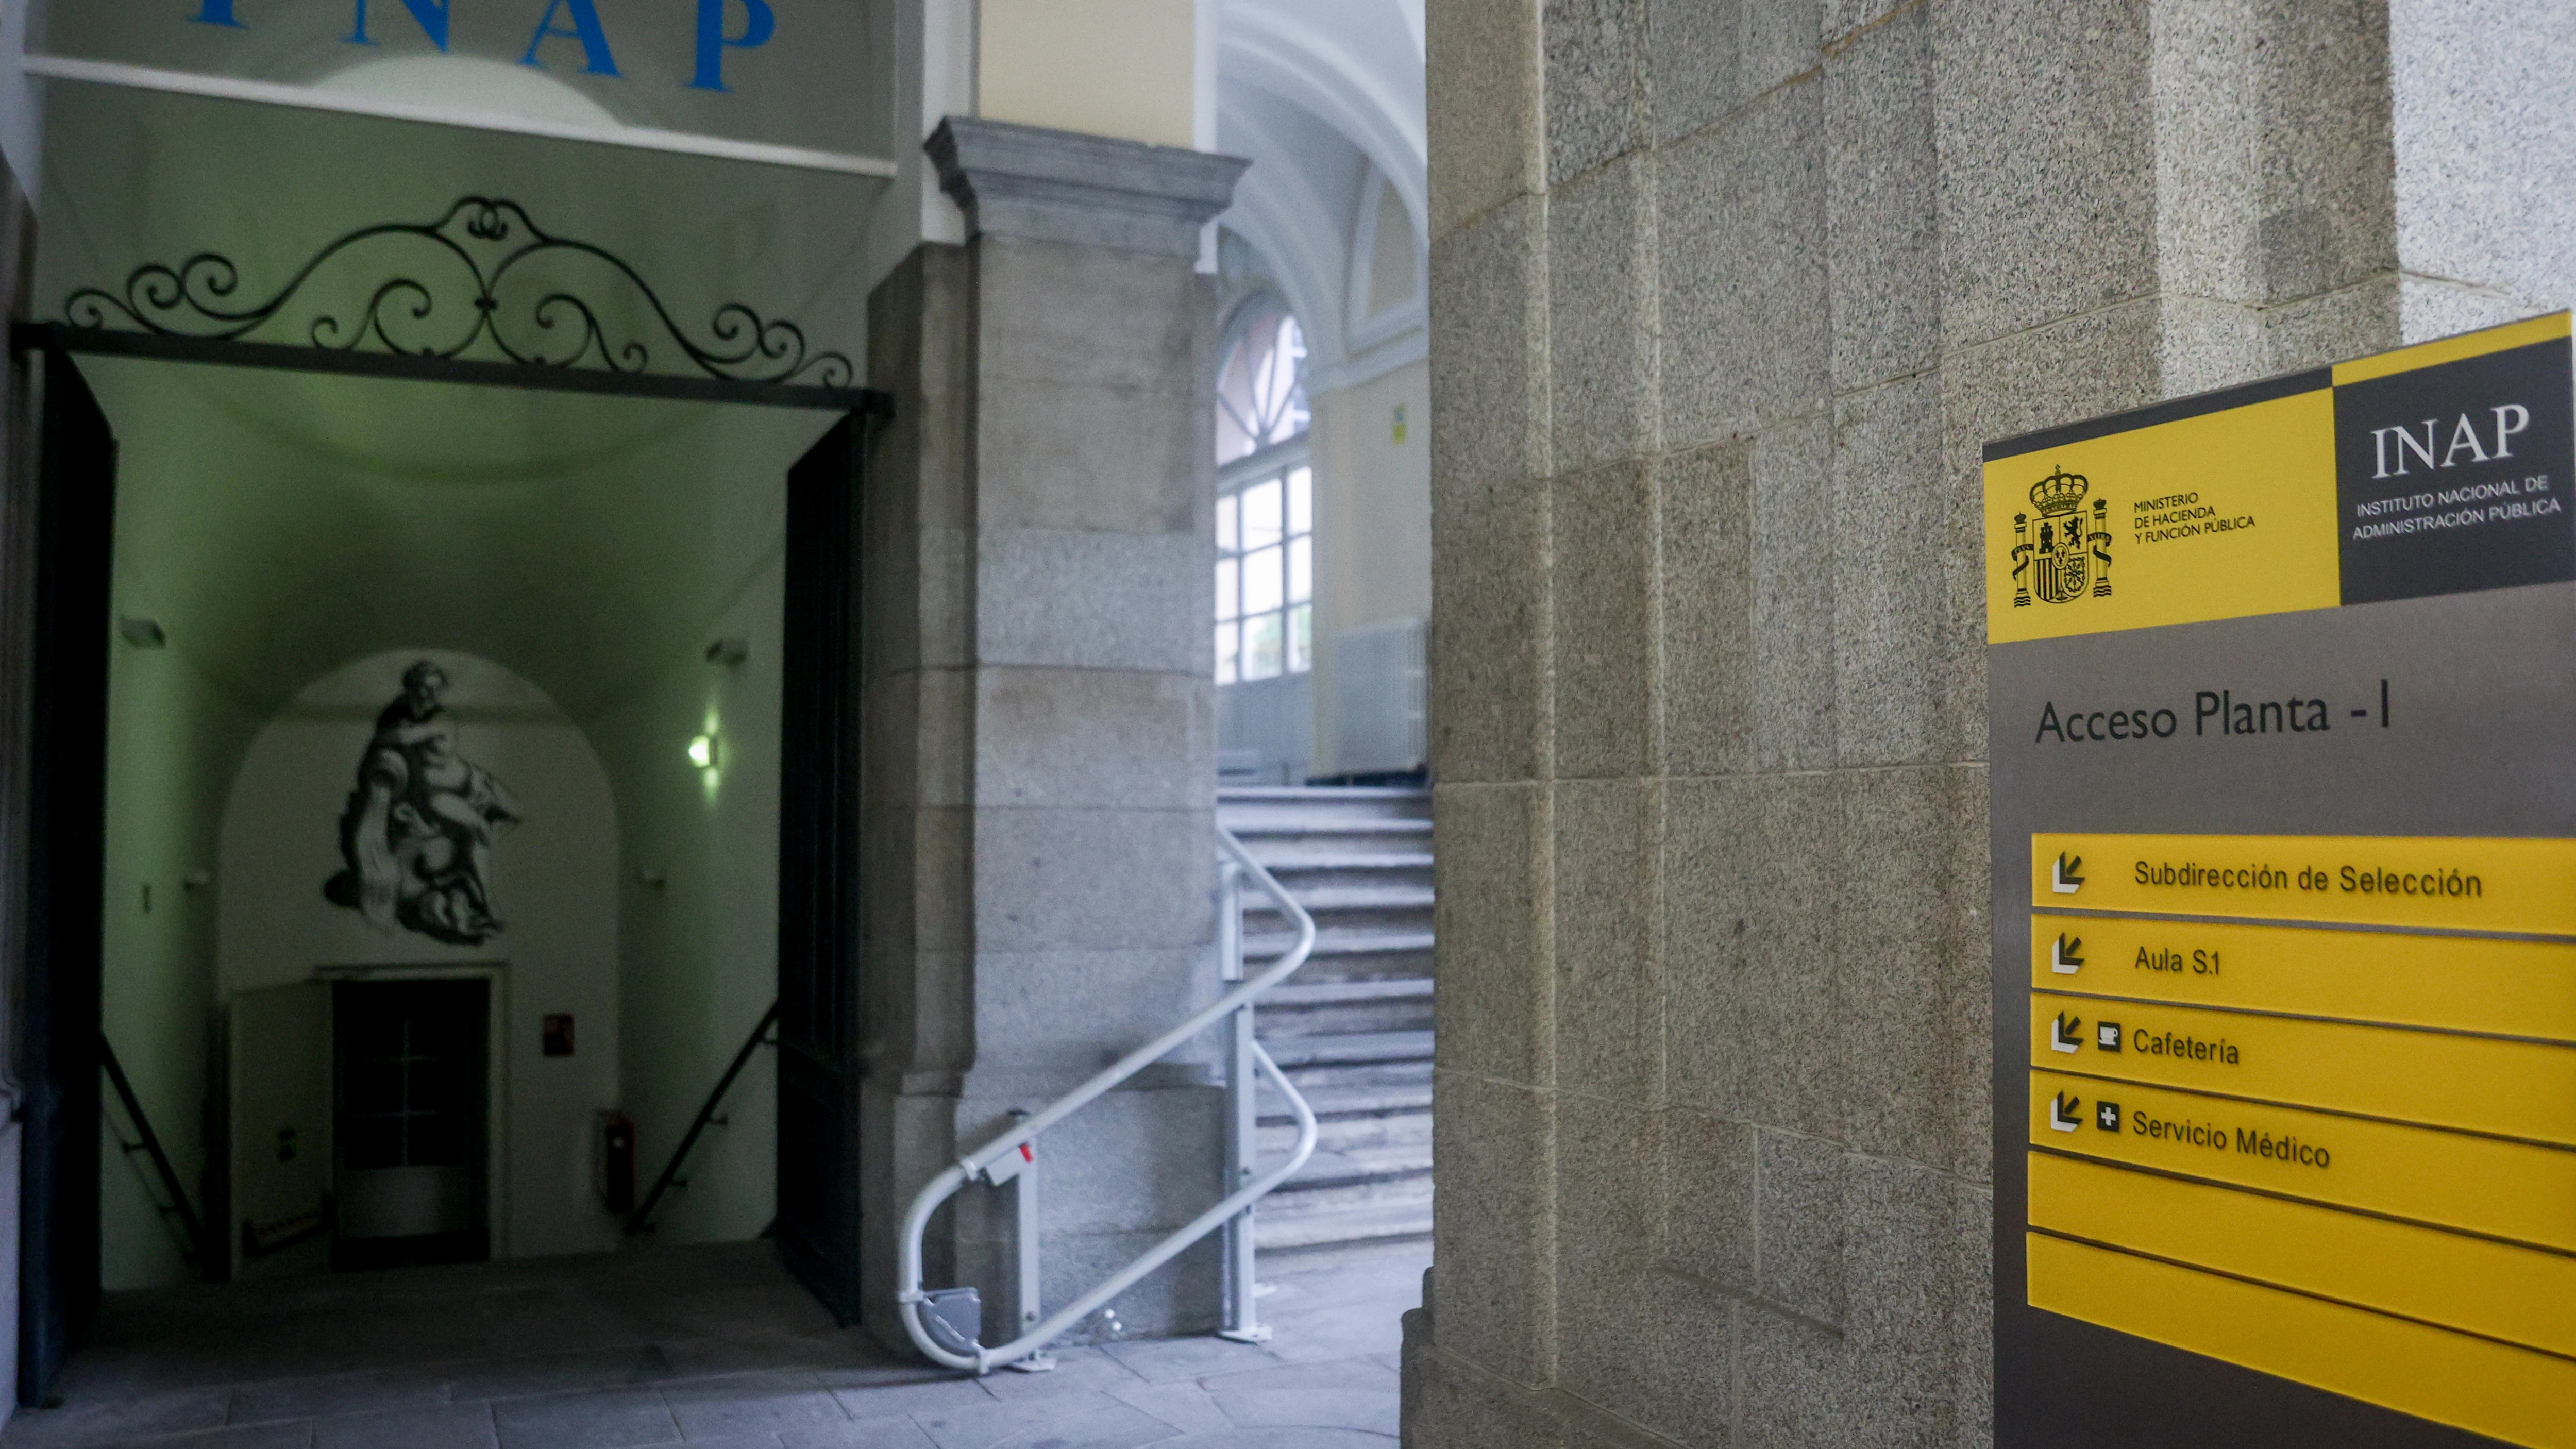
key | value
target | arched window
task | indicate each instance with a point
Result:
(1265, 505)
(1261, 388)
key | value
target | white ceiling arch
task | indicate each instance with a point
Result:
(1322, 96)
(1356, 64)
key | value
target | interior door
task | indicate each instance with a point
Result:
(279, 1085)
(818, 886)
(409, 1122)
(58, 1065)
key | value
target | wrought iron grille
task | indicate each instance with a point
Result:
(482, 282)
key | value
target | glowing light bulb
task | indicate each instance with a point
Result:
(702, 752)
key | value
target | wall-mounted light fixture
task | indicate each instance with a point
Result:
(729, 652)
(702, 752)
(142, 633)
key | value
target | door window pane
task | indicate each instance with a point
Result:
(1229, 598)
(1261, 515)
(1228, 510)
(1228, 636)
(1301, 501)
(1301, 638)
(1301, 570)
(1262, 584)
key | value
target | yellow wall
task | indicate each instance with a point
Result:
(1372, 519)
(1124, 68)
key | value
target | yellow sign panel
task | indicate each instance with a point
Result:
(2518, 988)
(2476, 1384)
(2520, 1295)
(2510, 1190)
(2472, 1083)
(2451, 883)
(2218, 507)
(2209, 517)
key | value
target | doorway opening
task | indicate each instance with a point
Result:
(245, 548)
(409, 1061)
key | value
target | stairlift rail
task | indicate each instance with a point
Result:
(980, 1163)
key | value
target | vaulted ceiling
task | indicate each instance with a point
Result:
(1322, 95)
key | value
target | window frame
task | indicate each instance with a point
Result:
(1277, 462)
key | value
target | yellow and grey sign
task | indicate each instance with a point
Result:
(2282, 719)
(2425, 471)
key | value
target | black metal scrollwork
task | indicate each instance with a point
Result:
(516, 305)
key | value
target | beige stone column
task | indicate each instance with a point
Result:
(1726, 298)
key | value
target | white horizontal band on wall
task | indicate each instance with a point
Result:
(641, 138)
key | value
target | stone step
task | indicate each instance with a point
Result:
(1277, 828)
(1389, 896)
(1319, 794)
(1300, 860)
(1408, 1131)
(1279, 1227)
(1334, 1104)
(1352, 1029)
(1355, 1060)
(1271, 945)
(1356, 1167)
(1354, 1049)
(1344, 993)
(1369, 1005)
(1343, 869)
(1238, 807)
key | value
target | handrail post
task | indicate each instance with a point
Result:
(926, 1317)
(1024, 1232)
(1242, 1116)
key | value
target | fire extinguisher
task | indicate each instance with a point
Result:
(617, 1162)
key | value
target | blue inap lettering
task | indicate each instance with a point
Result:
(432, 15)
(217, 12)
(759, 23)
(585, 23)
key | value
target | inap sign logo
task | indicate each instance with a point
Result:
(722, 25)
(2071, 551)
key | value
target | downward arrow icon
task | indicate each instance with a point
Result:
(2061, 954)
(2066, 1112)
(2066, 877)
(2067, 1033)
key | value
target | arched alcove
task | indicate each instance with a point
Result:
(553, 884)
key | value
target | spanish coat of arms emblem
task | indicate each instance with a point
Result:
(2068, 555)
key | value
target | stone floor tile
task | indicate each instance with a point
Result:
(993, 1423)
(558, 1373)
(108, 1420)
(1289, 1438)
(244, 1436)
(602, 1419)
(1330, 1374)
(921, 1399)
(1170, 1360)
(1077, 1370)
(1111, 1426)
(1185, 1407)
(751, 1403)
(895, 1433)
(1335, 1408)
(324, 1395)
(890, 1374)
(456, 1426)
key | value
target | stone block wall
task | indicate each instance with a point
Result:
(1039, 753)
(1727, 295)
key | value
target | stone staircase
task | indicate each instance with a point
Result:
(1353, 1028)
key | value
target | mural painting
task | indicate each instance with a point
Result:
(416, 837)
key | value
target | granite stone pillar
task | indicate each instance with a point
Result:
(1040, 755)
(1726, 299)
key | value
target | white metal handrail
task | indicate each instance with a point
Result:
(981, 1163)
